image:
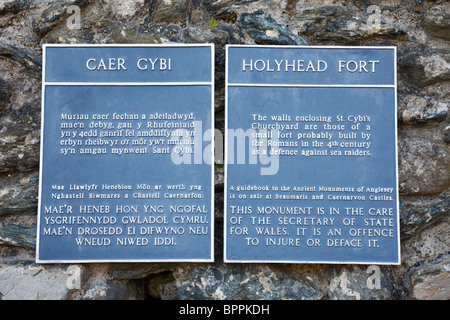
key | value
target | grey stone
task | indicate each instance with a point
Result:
(28, 60)
(5, 94)
(162, 286)
(361, 283)
(424, 165)
(33, 282)
(224, 10)
(432, 281)
(94, 282)
(338, 24)
(417, 215)
(446, 132)
(12, 6)
(103, 289)
(14, 235)
(53, 15)
(19, 193)
(436, 22)
(291, 4)
(136, 271)
(242, 282)
(204, 35)
(265, 30)
(426, 67)
(174, 11)
(123, 33)
(220, 35)
(165, 31)
(425, 268)
(217, 5)
(19, 138)
(426, 245)
(422, 110)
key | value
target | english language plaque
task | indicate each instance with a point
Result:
(123, 173)
(311, 155)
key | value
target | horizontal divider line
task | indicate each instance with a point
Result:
(140, 45)
(128, 83)
(312, 85)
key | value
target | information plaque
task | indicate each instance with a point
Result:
(311, 155)
(124, 175)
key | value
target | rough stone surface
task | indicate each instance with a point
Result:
(19, 138)
(27, 281)
(431, 282)
(356, 283)
(4, 93)
(18, 193)
(242, 282)
(20, 236)
(265, 30)
(339, 24)
(427, 67)
(422, 110)
(53, 13)
(436, 22)
(419, 30)
(424, 165)
(421, 213)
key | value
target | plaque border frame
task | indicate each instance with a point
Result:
(44, 84)
(227, 85)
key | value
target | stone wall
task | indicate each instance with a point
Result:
(420, 30)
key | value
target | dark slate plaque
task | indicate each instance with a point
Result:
(311, 155)
(123, 176)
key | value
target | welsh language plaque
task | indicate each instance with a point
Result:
(311, 155)
(124, 175)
